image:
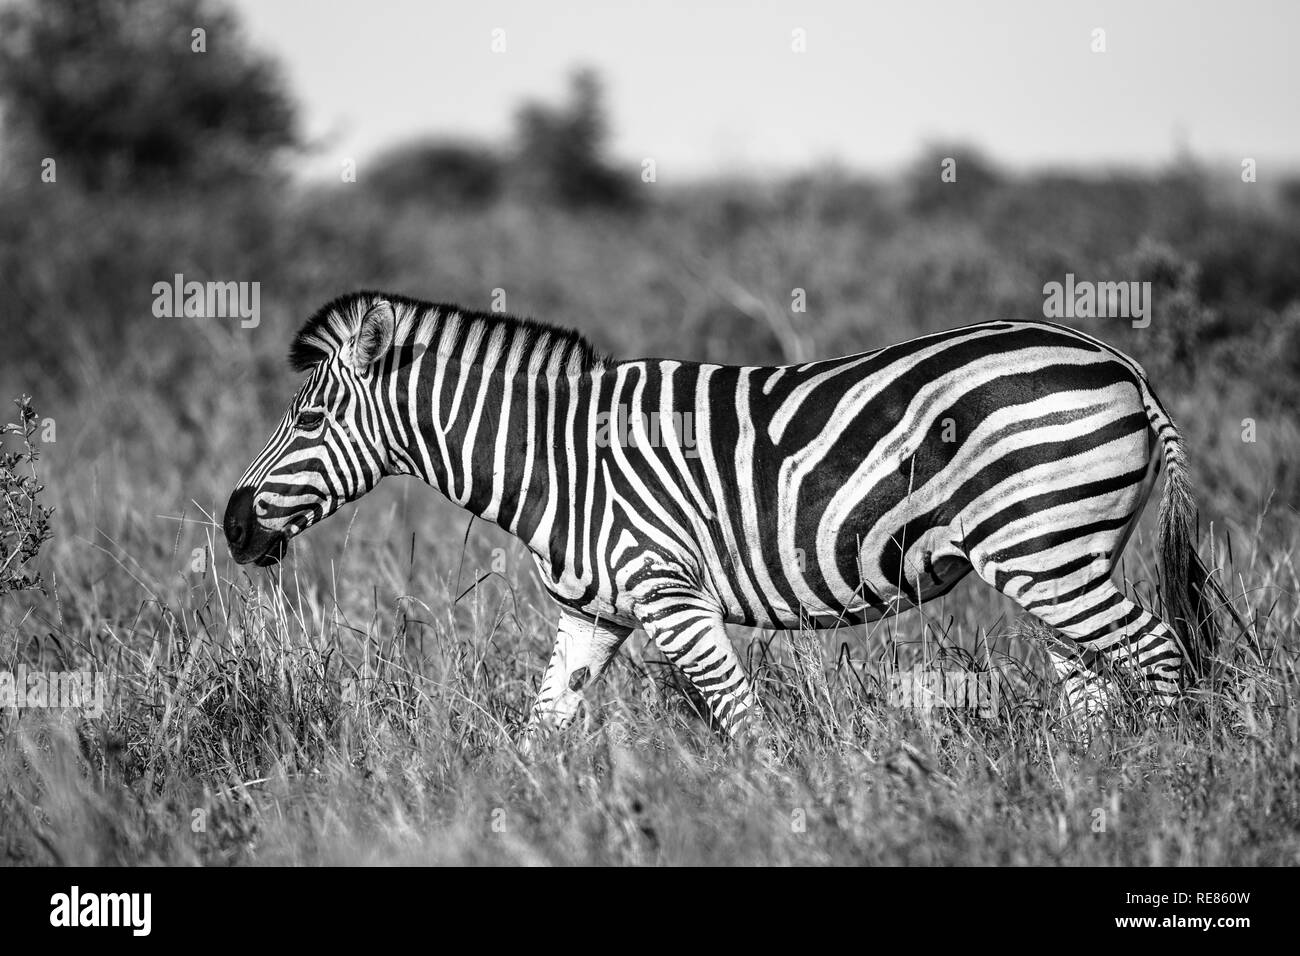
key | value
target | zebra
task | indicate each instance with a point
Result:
(680, 497)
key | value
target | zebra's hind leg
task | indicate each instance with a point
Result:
(1086, 692)
(583, 649)
(687, 626)
(1110, 634)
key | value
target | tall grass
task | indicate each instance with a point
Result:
(360, 704)
(260, 721)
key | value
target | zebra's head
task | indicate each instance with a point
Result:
(329, 448)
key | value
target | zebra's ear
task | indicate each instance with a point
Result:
(374, 337)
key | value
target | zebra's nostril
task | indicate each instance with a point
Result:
(238, 517)
(234, 530)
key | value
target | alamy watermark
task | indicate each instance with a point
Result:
(649, 429)
(927, 688)
(52, 690)
(75, 908)
(1083, 299)
(209, 300)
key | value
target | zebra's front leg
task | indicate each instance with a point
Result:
(688, 628)
(583, 649)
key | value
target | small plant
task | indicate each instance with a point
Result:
(24, 522)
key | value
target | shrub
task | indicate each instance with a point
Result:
(442, 173)
(24, 522)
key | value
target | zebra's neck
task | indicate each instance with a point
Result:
(494, 433)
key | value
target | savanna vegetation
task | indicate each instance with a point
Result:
(359, 704)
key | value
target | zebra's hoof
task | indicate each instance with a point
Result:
(526, 743)
(764, 746)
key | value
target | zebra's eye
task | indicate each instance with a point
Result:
(310, 420)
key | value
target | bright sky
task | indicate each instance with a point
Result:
(705, 87)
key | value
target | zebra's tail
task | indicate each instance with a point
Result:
(1189, 589)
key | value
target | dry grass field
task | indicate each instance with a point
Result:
(359, 704)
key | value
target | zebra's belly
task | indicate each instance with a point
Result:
(798, 597)
(777, 594)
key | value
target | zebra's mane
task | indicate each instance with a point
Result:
(335, 323)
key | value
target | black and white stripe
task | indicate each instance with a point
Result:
(832, 492)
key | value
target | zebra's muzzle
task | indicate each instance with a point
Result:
(249, 542)
(274, 551)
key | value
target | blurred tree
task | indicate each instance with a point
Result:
(123, 91)
(560, 151)
(440, 172)
(1290, 193)
(1182, 324)
(950, 179)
